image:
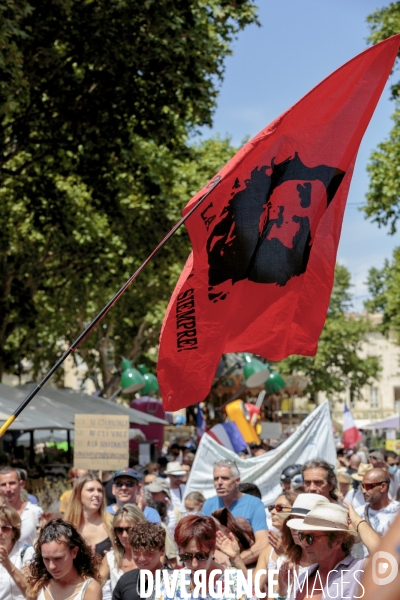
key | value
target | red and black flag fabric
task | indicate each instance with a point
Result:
(265, 240)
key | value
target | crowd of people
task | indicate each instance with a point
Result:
(321, 530)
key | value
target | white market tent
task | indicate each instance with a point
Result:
(392, 422)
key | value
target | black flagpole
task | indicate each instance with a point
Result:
(211, 186)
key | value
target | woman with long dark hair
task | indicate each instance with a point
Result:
(63, 565)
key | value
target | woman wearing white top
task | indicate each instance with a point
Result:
(14, 555)
(269, 557)
(120, 559)
(63, 565)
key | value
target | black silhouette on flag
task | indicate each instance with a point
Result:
(265, 233)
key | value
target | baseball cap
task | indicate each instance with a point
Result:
(376, 454)
(127, 472)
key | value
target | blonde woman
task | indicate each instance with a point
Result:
(271, 557)
(120, 559)
(14, 555)
(194, 503)
(87, 513)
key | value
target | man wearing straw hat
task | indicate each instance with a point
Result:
(327, 538)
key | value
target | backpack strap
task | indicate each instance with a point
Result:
(366, 515)
(23, 550)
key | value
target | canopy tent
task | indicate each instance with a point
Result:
(66, 403)
(392, 422)
(31, 418)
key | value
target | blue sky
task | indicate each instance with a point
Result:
(299, 43)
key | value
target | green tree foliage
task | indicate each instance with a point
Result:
(383, 199)
(383, 205)
(384, 289)
(338, 363)
(97, 100)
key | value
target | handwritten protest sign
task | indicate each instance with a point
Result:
(101, 442)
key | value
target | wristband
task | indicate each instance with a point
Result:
(359, 523)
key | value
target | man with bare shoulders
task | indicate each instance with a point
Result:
(11, 487)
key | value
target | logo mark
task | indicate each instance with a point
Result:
(381, 568)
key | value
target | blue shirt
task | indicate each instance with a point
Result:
(249, 507)
(150, 513)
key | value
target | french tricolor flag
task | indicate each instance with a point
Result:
(351, 435)
(228, 435)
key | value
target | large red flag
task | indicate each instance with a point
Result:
(264, 242)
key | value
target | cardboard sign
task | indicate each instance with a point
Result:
(101, 442)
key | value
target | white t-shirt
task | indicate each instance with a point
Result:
(19, 556)
(29, 522)
(115, 573)
(177, 495)
(355, 497)
(380, 519)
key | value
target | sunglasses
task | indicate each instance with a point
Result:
(122, 529)
(371, 486)
(279, 508)
(128, 484)
(309, 538)
(5, 528)
(188, 558)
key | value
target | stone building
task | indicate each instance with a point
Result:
(382, 398)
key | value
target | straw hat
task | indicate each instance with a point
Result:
(174, 468)
(362, 469)
(343, 477)
(304, 503)
(325, 516)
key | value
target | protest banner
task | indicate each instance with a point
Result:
(101, 442)
(312, 439)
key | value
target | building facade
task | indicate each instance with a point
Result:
(380, 399)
